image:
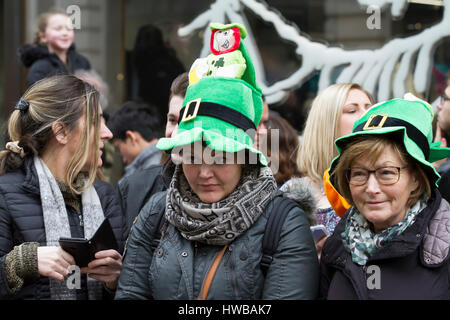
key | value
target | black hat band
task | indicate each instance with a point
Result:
(413, 133)
(196, 108)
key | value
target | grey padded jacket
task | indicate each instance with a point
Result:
(178, 267)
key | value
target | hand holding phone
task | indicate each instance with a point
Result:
(319, 231)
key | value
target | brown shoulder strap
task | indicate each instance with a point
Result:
(210, 276)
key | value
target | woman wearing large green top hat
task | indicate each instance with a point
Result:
(219, 199)
(393, 242)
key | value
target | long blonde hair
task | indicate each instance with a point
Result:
(61, 99)
(322, 129)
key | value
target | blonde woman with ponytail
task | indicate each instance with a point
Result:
(48, 190)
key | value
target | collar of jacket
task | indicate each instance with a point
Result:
(147, 157)
(31, 181)
(299, 190)
(57, 62)
(335, 254)
(31, 53)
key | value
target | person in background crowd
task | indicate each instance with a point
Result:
(261, 129)
(135, 190)
(332, 115)
(136, 129)
(390, 244)
(156, 66)
(283, 161)
(94, 79)
(53, 51)
(48, 190)
(177, 93)
(216, 208)
(443, 135)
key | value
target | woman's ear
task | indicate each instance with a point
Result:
(131, 136)
(414, 180)
(60, 132)
(42, 38)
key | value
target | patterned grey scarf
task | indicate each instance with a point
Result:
(362, 243)
(56, 222)
(221, 222)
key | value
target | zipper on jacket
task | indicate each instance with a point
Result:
(80, 216)
(233, 273)
(195, 248)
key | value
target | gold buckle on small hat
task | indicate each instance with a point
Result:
(190, 114)
(369, 125)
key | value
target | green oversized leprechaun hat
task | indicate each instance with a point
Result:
(407, 121)
(221, 111)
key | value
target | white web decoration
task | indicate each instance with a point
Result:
(372, 69)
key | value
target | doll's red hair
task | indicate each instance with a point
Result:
(237, 38)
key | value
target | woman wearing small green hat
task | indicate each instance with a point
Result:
(216, 209)
(393, 242)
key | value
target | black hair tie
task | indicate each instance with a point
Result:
(22, 105)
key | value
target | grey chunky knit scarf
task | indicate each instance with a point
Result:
(56, 222)
(221, 222)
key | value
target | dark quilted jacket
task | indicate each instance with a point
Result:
(42, 63)
(21, 220)
(414, 265)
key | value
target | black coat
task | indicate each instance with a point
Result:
(21, 220)
(155, 67)
(403, 271)
(42, 63)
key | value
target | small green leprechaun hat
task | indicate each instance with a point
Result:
(223, 112)
(406, 121)
(221, 26)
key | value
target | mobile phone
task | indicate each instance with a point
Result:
(319, 231)
(84, 250)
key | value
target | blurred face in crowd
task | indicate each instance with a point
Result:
(58, 34)
(261, 129)
(384, 205)
(175, 104)
(444, 110)
(209, 174)
(126, 150)
(356, 104)
(131, 147)
(105, 134)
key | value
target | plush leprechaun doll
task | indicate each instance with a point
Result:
(226, 60)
